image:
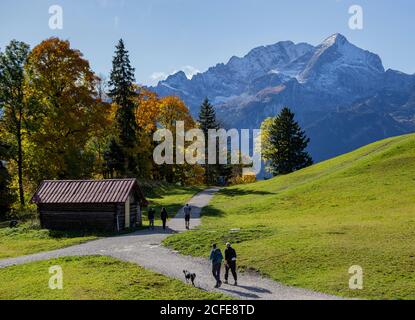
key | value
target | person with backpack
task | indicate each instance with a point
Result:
(187, 210)
(230, 263)
(216, 257)
(164, 216)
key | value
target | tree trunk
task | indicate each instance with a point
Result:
(20, 166)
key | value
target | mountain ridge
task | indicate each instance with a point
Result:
(322, 82)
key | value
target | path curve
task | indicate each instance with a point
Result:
(144, 248)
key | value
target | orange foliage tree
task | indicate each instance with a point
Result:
(153, 112)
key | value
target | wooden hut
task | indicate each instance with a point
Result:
(110, 205)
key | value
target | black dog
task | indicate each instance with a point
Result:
(189, 276)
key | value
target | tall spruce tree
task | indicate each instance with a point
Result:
(207, 120)
(287, 143)
(121, 92)
(113, 160)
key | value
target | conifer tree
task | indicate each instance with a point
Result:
(207, 120)
(113, 160)
(122, 93)
(287, 143)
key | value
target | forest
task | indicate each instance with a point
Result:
(60, 120)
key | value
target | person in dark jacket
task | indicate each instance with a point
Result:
(230, 263)
(216, 257)
(164, 216)
(187, 211)
(151, 214)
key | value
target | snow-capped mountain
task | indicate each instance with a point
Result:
(226, 81)
(341, 93)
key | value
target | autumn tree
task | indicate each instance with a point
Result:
(147, 111)
(172, 110)
(13, 102)
(68, 112)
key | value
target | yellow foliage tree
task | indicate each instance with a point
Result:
(68, 111)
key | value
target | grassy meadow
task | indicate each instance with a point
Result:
(94, 278)
(308, 228)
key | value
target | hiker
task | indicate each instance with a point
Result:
(187, 210)
(164, 216)
(230, 263)
(216, 257)
(151, 214)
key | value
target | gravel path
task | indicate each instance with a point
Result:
(144, 248)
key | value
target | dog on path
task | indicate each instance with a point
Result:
(189, 277)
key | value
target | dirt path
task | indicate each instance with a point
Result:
(144, 248)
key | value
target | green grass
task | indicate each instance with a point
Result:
(95, 278)
(307, 228)
(28, 238)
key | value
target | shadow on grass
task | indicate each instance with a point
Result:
(241, 192)
(61, 234)
(210, 211)
(158, 191)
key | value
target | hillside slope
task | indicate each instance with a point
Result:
(306, 229)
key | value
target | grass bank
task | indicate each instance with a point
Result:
(94, 278)
(308, 228)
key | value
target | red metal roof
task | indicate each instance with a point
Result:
(86, 191)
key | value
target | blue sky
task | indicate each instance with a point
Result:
(164, 36)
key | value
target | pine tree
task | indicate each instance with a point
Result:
(121, 92)
(287, 143)
(207, 120)
(113, 160)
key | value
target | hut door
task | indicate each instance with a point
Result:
(127, 213)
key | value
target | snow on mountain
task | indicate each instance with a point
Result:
(335, 66)
(329, 87)
(338, 64)
(225, 81)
